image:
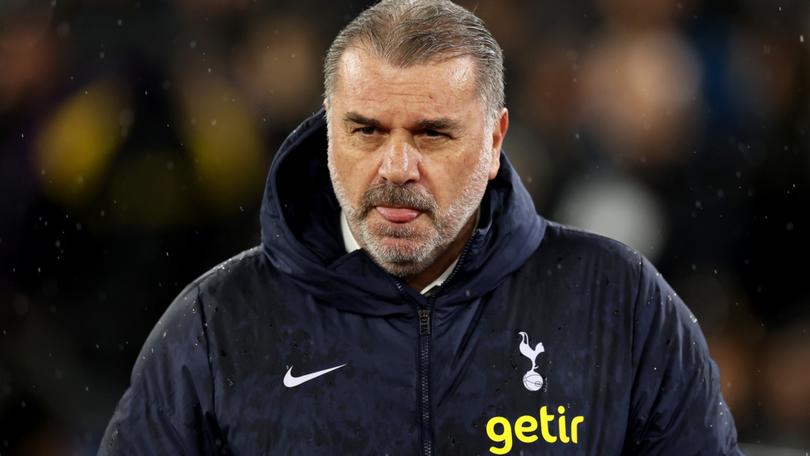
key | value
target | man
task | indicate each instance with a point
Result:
(407, 299)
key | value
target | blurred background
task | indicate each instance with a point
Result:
(135, 137)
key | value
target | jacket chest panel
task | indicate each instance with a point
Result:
(534, 376)
(321, 380)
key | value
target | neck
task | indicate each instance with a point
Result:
(422, 279)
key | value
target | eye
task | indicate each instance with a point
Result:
(367, 130)
(432, 134)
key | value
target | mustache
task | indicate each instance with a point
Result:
(392, 195)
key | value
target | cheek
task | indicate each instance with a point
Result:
(353, 171)
(452, 175)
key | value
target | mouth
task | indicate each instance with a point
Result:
(398, 214)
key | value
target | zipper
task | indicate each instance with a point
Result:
(461, 259)
(425, 323)
(424, 380)
(425, 425)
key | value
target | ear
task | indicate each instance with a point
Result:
(499, 128)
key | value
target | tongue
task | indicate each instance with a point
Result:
(398, 214)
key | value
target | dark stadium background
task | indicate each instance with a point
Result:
(135, 137)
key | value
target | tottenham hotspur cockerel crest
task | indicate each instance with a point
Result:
(531, 380)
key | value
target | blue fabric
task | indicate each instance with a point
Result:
(620, 350)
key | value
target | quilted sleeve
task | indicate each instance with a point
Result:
(168, 407)
(676, 404)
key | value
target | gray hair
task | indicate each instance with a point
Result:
(409, 32)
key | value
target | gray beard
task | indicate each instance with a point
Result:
(446, 226)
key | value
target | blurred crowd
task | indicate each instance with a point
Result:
(135, 136)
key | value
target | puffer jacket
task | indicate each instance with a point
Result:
(544, 340)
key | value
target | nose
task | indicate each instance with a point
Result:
(400, 161)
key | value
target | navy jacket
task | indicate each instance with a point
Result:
(544, 340)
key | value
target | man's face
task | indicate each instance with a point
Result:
(410, 155)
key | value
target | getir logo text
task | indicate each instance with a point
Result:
(500, 430)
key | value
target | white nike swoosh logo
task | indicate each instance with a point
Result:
(291, 382)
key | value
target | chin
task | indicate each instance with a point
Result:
(402, 269)
(402, 256)
(400, 247)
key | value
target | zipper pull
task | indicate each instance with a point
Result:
(424, 322)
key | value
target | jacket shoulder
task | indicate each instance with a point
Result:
(586, 270)
(567, 243)
(243, 268)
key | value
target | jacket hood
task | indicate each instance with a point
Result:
(301, 236)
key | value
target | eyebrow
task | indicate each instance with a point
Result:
(361, 119)
(442, 123)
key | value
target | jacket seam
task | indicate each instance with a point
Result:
(629, 432)
(204, 325)
(634, 329)
(176, 433)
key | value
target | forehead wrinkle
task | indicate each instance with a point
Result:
(360, 65)
(371, 85)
